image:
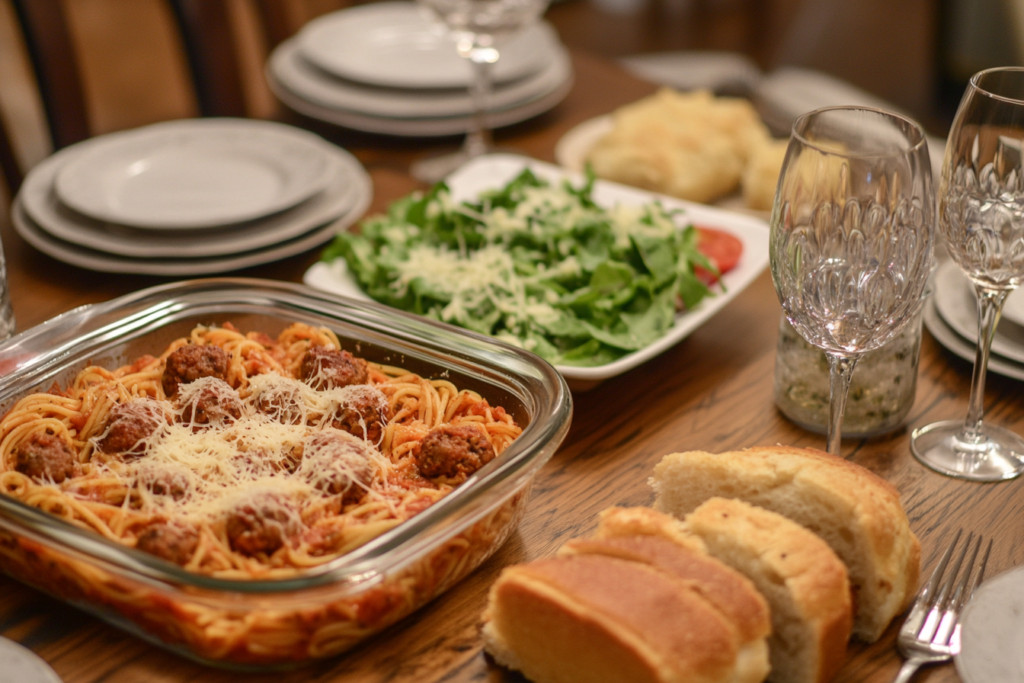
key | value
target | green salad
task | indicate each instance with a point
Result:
(535, 264)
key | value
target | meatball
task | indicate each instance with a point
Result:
(129, 425)
(337, 463)
(282, 404)
(324, 368)
(164, 480)
(171, 542)
(209, 401)
(453, 450)
(262, 462)
(363, 414)
(189, 363)
(46, 457)
(260, 526)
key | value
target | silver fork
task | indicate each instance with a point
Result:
(931, 633)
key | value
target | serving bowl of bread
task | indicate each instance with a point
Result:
(751, 565)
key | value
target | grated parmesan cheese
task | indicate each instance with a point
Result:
(201, 472)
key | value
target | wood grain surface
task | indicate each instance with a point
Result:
(713, 391)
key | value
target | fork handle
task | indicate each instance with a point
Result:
(908, 669)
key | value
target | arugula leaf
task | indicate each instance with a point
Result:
(540, 266)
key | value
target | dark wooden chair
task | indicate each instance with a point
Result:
(207, 36)
(279, 19)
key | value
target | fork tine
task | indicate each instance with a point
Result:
(980, 576)
(962, 591)
(948, 612)
(966, 589)
(942, 599)
(937, 625)
(928, 588)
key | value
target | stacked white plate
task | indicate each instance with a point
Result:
(387, 68)
(191, 197)
(952, 318)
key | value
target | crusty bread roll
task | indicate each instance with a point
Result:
(761, 175)
(856, 512)
(600, 618)
(802, 579)
(689, 145)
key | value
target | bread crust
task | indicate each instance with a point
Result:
(667, 547)
(615, 522)
(796, 569)
(598, 618)
(856, 512)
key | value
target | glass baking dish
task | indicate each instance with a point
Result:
(322, 611)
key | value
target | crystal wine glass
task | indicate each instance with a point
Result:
(851, 236)
(981, 219)
(478, 27)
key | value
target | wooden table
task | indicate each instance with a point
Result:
(713, 391)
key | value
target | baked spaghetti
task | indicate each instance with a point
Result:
(242, 456)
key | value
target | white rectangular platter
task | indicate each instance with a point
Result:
(495, 170)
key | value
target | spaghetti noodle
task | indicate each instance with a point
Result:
(241, 456)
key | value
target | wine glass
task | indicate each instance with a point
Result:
(478, 27)
(851, 236)
(981, 218)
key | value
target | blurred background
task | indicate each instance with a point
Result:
(915, 54)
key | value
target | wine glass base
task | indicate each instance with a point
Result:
(997, 456)
(436, 168)
(433, 169)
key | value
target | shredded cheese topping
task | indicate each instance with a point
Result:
(202, 471)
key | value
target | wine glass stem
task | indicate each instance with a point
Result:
(840, 372)
(478, 139)
(990, 306)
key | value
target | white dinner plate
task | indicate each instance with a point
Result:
(21, 665)
(956, 303)
(193, 173)
(344, 177)
(963, 348)
(492, 171)
(572, 149)
(187, 267)
(992, 631)
(1013, 307)
(304, 79)
(415, 127)
(395, 44)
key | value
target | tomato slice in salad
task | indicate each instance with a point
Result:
(721, 248)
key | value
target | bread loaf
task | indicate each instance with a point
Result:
(855, 512)
(689, 145)
(728, 590)
(761, 174)
(598, 617)
(614, 522)
(804, 582)
(644, 535)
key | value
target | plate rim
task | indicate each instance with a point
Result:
(363, 18)
(72, 181)
(571, 148)
(288, 67)
(110, 263)
(417, 128)
(41, 205)
(1002, 345)
(1013, 576)
(753, 233)
(958, 346)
